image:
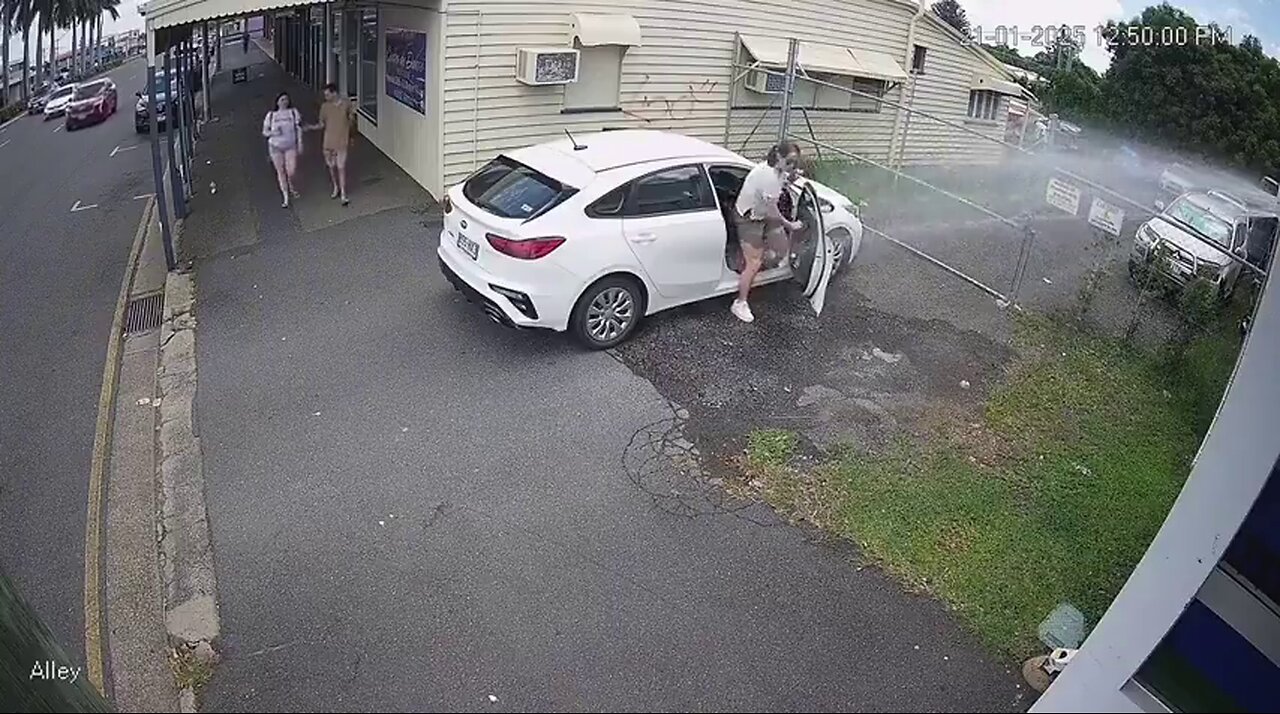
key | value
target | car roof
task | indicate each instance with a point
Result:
(613, 149)
(1215, 205)
(1232, 206)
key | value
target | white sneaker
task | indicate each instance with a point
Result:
(742, 311)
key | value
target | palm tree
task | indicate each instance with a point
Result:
(104, 7)
(18, 14)
(77, 11)
(37, 16)
(61, 13)
(4, 55)
(25, 16)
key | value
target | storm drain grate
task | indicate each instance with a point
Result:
(144, 313)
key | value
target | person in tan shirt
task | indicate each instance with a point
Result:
(337, 118)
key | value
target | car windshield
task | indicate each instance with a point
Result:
(1199, 218)
(507, 188)
(61, 92)
(88, 91)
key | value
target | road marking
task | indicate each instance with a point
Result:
(119, 149)
(6, 124)
(5, 143)
(133, 77)
(143, 195)
(57, 128)
(78, 207)
(95, 654)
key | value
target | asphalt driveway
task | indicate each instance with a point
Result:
(413, 508)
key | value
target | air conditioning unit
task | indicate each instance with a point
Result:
(759, 80)
(539, 66)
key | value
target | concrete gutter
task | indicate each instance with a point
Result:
(95, 653)
(186, 549)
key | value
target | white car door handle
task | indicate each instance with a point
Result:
(644, 237)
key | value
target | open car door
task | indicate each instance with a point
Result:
(811, 250)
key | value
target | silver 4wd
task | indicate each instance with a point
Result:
(1207, 235)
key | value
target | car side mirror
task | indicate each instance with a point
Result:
(1159, 205)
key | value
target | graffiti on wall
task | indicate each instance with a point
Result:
(684, 105)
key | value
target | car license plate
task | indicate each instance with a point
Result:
(469, 246)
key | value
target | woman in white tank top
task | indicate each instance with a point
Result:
(283, 128)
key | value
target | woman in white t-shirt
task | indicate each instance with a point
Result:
(760, 224)
(283, 128)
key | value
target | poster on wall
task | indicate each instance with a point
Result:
(407, 68)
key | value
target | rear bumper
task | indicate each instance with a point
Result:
(490, 307)
(505, 301)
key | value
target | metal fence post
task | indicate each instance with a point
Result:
(204, 68)
(329, 71)
(784, 123)
(184, 127)
(157, 171)
(731, 95)
(175, 181)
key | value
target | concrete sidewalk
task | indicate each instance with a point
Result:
(413, 508)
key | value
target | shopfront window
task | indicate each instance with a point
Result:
(369, 63)
(351, 48)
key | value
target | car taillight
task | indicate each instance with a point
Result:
(525, 248)
(446, 204)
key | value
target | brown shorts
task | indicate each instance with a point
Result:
(761, 234)
(335, 157)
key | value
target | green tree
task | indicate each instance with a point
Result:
(952, 14)
(1203, 95)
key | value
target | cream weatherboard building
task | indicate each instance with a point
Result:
(661, 64)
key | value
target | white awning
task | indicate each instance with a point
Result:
(171, 13)
(819, 57)
(879, 65)
(594, 29)
(991, 84)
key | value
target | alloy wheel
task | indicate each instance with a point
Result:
(610, 314)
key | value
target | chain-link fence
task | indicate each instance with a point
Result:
(1007, 211)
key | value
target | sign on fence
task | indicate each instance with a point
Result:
(1061, 194)
(1105, 216)
(239, 74)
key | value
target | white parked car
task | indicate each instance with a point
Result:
(591, 235)
(56, 104)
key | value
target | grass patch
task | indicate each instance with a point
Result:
(190, 669)
(1097, 438)
(771, 447)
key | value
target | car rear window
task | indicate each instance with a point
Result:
(507, 188)
(61, 92)
(85, 91)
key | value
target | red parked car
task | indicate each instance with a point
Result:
(92, 102)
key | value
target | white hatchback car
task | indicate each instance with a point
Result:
(56, 103)
(590, 234)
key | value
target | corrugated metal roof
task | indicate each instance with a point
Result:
(173, 13)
